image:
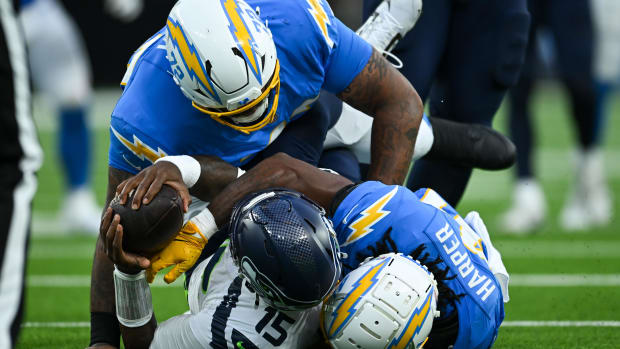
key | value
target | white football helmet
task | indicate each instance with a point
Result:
(387, 302)
(223, 58)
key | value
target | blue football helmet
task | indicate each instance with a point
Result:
(286, 247)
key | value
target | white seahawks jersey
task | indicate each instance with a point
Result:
(225, 313)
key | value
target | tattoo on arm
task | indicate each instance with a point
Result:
(382, 92)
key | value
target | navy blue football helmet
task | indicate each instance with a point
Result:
(286, 247)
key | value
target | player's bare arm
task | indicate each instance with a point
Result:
(215, 174)
(279, 170)
(382, 92)
(102, 287)
(218, 183)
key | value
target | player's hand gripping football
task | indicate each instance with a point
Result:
(111, 234)
(182, 252)
(148, 183)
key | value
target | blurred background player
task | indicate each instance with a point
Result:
(20, 158)
(588, 202)
(61, 72)
(462, 56)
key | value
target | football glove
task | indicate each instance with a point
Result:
(182, 252)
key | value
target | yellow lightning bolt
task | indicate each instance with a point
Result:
(139, 148)
(413, 325)
(317, 11)
(242, 34)
(189, 55)
(370, 216)
(360, 287)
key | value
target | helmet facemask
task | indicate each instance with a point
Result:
(253, 115)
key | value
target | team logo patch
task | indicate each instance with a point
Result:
(369, 217)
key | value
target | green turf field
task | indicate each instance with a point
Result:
(565, 288)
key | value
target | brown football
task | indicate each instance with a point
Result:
(149, 229)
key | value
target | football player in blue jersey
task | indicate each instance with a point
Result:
(227, 78)
(369, 218)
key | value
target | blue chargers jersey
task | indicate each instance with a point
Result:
(373, 209)
(153, 118)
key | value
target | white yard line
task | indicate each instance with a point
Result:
(63, 281)
(84, 324)
(564, 280)
(561, 324)
(589, 249)
(550, 249)
(516, 280)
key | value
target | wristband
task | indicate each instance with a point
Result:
(187, 165)
(205, 223)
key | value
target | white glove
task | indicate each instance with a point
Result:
(494, 257)
(124, 10)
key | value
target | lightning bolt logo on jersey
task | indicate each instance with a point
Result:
(322, 20)
(156, 111)
(369, 217)
(424, 218)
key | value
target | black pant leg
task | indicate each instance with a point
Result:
(483, 58)
(20, 157)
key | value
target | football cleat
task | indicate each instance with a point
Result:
(80, 212)
(387, 302)
(589, 202)
(528, 209)
(471, 145)
(226, 65)
(390, 22)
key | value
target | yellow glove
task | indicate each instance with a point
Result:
(182, 252)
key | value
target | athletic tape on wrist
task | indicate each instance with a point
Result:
(134, 307)
(187, 165)
(205, 223)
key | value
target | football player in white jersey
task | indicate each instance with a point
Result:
(330, 190)
(262, 289)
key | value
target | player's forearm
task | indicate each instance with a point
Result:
(279, 170)
(139, 337)
(383, 93)
(102, 285)
(215, 175)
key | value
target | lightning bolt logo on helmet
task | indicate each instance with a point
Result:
(369, 217)
(347, 308)
(190, 56)
(239, 30)
(414, 325)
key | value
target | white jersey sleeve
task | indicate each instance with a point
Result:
(226, 313)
